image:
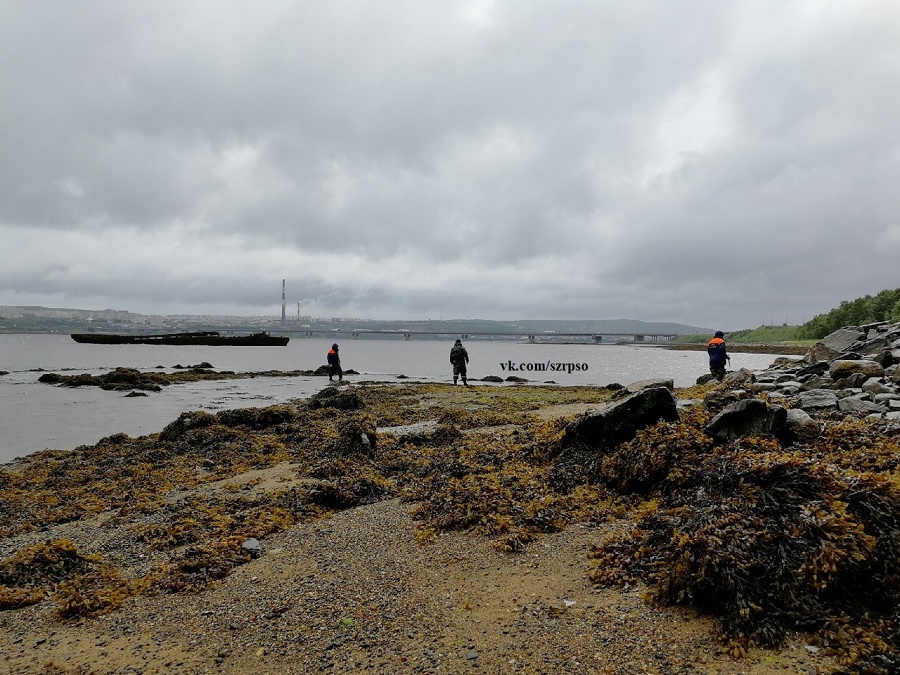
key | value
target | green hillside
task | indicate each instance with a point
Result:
(885, 306)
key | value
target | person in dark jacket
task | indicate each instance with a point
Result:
(459, 357)
(334, 364)
(718, 355)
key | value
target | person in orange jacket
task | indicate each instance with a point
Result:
(718, 355)
(334, 364)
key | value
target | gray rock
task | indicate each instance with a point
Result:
(740, 377)
(817, 399)
(819, 368)
(831, 346)
(759, 387)
(252, 547)
(851, 404)
(640, 385)
(750, 417)
(618, 422)
(873, 386)
(842, 368)
(884, 358)
(802, 425)
(852, 381)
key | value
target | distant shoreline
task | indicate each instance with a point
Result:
(787, 350)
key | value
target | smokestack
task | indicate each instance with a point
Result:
(282, 303)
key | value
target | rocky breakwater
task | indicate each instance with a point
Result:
(770, 501)
(854, 371)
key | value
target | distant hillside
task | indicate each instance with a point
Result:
(537, 326)
(54, 319)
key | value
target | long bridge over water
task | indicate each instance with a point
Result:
(531, 337)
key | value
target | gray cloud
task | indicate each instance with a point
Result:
(717, 165)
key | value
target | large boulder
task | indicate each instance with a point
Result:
(833, 345)
(620, 421)
(841, 368)
(749, 417)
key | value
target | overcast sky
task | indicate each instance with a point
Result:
(717, 163)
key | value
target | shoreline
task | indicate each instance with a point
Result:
(742, 348)
(404, 528)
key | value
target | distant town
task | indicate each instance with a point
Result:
(34, 319)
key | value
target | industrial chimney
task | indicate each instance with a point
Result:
(282, 304)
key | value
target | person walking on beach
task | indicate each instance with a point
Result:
(459, 357)
(718, 355)
(334, 364)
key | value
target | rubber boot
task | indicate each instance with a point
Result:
(454, 381)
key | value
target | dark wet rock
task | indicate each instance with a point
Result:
(401, 376)
(749, 417)
(716, 400)
(618, 422)
(819, 368)
(492, 378)
(852, 381)
(706, 377)
(135, 394)
(514, 378)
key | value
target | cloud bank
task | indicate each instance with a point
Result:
(728, 164)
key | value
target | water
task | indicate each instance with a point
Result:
(35, 416)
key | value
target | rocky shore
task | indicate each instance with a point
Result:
(748, 526)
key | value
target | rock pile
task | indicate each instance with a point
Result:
(854, 371)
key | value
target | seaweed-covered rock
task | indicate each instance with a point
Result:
(332, 397)
(257, 418)
(187, 421)
(618, 422)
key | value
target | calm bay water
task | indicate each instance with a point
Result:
(35, 416)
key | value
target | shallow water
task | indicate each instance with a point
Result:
(34, 416)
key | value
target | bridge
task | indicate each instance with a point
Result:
(531, 337)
